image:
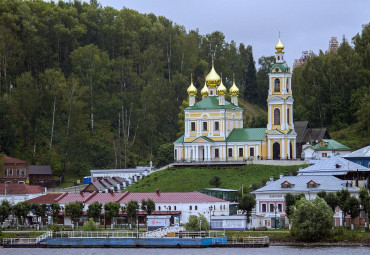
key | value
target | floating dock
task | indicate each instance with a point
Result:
(117, 239)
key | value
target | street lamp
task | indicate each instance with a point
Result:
(210, 214)
(200, 221)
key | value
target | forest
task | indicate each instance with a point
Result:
(85, 87)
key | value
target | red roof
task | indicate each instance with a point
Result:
(7, 160)
(124, 198)
(45, 199)
(20, 188)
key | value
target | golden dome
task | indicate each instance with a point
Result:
(204, 92)
(234, 89)
(221, 90)
(192, 90)
(213, 79)
(279, 46)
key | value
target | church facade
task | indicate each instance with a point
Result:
(214, 127)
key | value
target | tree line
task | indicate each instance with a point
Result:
(84, 87)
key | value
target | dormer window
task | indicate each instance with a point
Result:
(312, 184)
(277, 69)
(286, 185)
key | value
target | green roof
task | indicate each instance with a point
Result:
(246, 134)
(283, 67)
(212, 103)
(331, 145)
(207, 139)
(180, 140)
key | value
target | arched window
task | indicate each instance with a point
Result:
(159, 208)
(287, 117)
(278, 58)
(277, 85)
(277, 116)
(287, 85)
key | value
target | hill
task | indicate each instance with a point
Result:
(190, 179)
(352, 136)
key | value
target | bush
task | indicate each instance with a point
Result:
(194, 223)
(89, 225)
(312, 220)
(55, 228)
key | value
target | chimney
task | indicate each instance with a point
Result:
(271, 178)
(157, 191)
(281, 176)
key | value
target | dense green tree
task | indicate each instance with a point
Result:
(332, 200)
(164, 155)
(312, 220)
(343, 195)
(5, 210)
(365, 202)
(352, 207)
(94, 210)
(74, 210)
(111, 209)
(246, 204)
(322, 194)
(215, 181)
(289, 204)
(197, 223)
(21, 210)
(131, 210)
(39, 210)
(54, 209)
(148, 206)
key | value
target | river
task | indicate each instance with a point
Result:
(272, 250)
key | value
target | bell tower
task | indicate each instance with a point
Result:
(281, 136)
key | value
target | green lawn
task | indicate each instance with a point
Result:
(190, 179)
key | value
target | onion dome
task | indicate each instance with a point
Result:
(234, 89)
(213, 79)
(279, 46)
(221, 90)
(204, 92)
(192, 90)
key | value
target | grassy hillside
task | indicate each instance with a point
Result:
(190, 179)
(352, 136)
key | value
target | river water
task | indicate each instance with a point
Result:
(272, 250)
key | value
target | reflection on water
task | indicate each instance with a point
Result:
(273, 250)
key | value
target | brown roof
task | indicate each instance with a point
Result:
(306, 134)
(45, 199)
(20, 188)
(300, 128)
(7, 160)
(44, 170)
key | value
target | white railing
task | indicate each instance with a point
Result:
(44, 236)
(255, 240)
(162, 232)
(19, 241)
(96, 234)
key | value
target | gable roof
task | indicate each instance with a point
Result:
(10, 160)
(361, 153)
(246, 134)
(205, 138)
(124, 198)
(331, 145)
(299, 184)
(20, 188)
(44, 170)
(332, 166)
(212, 103)
(307, 134)
(180, 139)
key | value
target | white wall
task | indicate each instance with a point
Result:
(16, 198)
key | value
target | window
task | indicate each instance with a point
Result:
(190, 208)
(276, 69)
(324, 155)
(230, 150)
(287, 85)
(23, 172)
(159, 208)
(277, 85)
(211, 92)
(10, 172)
(5, 172)
(277, 116)
(240, 152)
(251, 152)
(278, 57)
(280, 207)
(287, 117)
(169, 208)
(205, 126)
(175, 154)
(264, 208)
(196, 207)
(175, 207)
(286, 185)
(311, 184)
(224, 207)
(215, 224)
(192, 126)
(272, 207)
(220, 207)
(217, 153)
(18, 172)
(217, 126)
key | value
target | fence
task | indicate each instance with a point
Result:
(27, 241)
(96, 234)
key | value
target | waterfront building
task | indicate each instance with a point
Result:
(214, 127)
(174, 204)
(270, 199)
(324, 148)
(19, 192)
(14, 170)
(361, 156)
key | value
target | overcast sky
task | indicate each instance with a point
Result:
(304, 24)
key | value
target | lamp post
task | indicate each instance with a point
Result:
(210, 214)
(200, 221)
(275, 214)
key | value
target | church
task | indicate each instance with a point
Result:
(214, 127)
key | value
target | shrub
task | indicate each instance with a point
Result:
(55, 228)
(89, 225)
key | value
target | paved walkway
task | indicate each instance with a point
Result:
(73, 189)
